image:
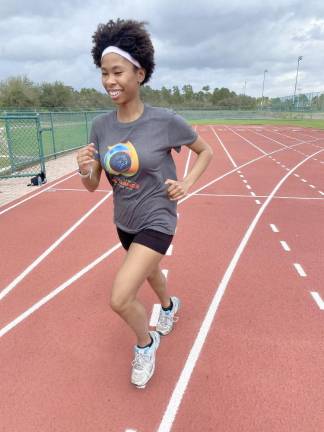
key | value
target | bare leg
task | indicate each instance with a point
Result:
(157, 281)
(137, 266)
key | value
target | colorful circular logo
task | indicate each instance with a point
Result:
(122, 159)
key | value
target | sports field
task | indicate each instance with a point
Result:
(247, 262)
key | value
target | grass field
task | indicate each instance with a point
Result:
(73, 135)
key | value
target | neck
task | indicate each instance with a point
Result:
(130, 111)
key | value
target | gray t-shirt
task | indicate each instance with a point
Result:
(137, 160)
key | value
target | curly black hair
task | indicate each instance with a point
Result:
(128, 35)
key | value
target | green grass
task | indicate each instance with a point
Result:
(318, 124)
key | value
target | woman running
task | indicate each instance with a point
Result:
(133, 145)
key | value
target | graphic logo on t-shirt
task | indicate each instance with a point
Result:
(122, 159)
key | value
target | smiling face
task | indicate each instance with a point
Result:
(120, 78)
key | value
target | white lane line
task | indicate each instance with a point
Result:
(241, 175)
(76, 190)
(285, 245)
(239, 172)
(244, 181)
(165, 272)
(271, 139)
(182, 383)
(258, 202)
(187, 164)
(304, 181)
(56, 291)
(300, 270)
(318, 299)
(155, 315)
(170, 250)
(297, 175)
(224, 148)
(321, 192)
(257, 196)
(212, 182)
(248, 141)
(53, 246)
(312, 186)
(274, 228)
(36, 194)
(248, 186)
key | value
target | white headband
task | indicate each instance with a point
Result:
(125, 54)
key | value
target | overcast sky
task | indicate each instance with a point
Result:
(220, 43)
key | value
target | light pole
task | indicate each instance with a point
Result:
(244, 88)
(298, 60)
(264, 72)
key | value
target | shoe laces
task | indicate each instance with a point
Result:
(140, 359)
(167, 318)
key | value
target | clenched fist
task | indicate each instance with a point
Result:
(86, 157)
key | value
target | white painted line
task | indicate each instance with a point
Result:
(239, 171)
(155, 315)
(318, 299)
(248, 141)
(53, 246)
(241, 175)
(285, 245)
(187, 164)
(303, 180)
(178, 215)
(312, 186)
(248, 186)
(165, 272)
(320, 192)
(274, 228)
(258, 202)
(283, 166)
(56, 291)
(224, 148)
(253, 194)
(244, 181)
(36, 194)
(278, 163)
(297, 175)
(76, 190)
(170, 250)
(182, 383)
(287, 169)
(300, 270)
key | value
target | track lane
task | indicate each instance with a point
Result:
(86, 405)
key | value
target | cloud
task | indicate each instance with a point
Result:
(220, 43)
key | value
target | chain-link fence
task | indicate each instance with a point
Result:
(21, 150)
(28, 139)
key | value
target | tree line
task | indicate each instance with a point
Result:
(22, 93)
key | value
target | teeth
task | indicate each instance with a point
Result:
(114, 93)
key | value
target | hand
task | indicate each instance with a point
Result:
(176, 189)
(85, 158)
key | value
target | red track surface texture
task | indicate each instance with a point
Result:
(247, 261)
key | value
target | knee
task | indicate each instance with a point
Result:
(118, 304)
(155, 276)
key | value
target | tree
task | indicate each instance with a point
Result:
(18, 92)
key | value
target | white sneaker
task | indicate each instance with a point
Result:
(167, 318)
(144, 362)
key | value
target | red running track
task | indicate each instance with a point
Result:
(247, 262)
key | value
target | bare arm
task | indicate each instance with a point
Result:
(178, 189)
(89, 167)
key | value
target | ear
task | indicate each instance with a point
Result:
(141, 75)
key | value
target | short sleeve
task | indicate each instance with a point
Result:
(180, 132)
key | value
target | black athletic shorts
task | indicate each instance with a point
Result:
(155, 240)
